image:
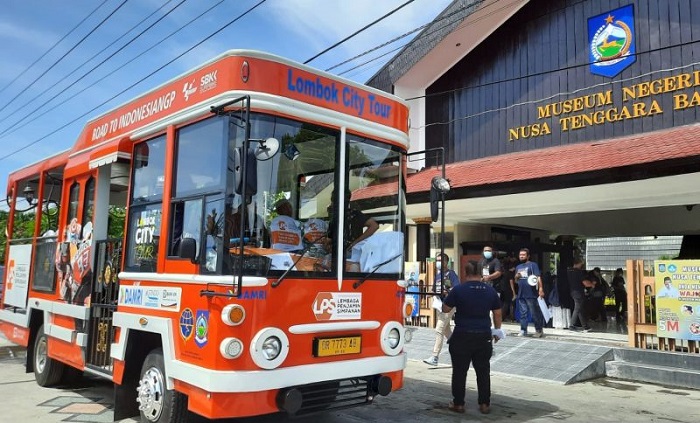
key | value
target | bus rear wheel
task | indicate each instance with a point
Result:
(47, 371)
(157, 403)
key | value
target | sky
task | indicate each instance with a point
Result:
(66, 62)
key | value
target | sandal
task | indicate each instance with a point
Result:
(455, 408)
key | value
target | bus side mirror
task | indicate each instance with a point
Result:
(438, 188)
(188, 249)
(251, 171)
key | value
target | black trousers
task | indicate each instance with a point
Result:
(474, 348)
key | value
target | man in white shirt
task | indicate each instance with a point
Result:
(668, 291)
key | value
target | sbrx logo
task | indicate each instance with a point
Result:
(209, 78)
(324, 306)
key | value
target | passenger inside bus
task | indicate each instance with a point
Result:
(253, 230)
(285, 231)
(358, 227)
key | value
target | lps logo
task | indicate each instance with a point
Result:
(337, 306)
(324, 306)
(188, 89)
(208, 81)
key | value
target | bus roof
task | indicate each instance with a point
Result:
(246, 71)
(227, 76)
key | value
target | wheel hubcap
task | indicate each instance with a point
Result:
(150, 394)
(40, 356)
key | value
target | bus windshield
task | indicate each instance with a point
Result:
(292, 211)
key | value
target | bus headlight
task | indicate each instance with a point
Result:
(269, 348)
(231, 348)
(392, 338)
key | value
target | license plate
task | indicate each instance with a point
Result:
(325, 347)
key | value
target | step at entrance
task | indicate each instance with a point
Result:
(659, 367)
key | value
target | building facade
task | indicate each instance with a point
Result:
(559, 118)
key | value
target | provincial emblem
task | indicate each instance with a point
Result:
(201, 328)
(611, 41)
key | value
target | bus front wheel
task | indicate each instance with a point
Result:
(47, 371)
(157, 403)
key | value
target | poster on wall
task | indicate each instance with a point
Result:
(412, 272)
(677, 284)
(17, 275)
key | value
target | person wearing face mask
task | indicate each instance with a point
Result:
(490, 269)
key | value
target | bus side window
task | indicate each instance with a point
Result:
(186, 223)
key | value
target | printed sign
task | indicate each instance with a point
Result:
(150, 297)
(611, 41)
(678, 299)
(337, 306)
(17, 276)
(412, 272)
(285, 234)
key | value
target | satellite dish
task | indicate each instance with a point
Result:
(532, 280)
(267, 149)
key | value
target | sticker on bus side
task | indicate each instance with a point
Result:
(150, 297)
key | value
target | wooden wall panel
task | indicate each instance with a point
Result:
(541, 56)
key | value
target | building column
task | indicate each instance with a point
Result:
(422, 237)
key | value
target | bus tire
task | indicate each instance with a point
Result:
(47, 371)
(157, 404)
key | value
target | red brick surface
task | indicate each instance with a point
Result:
(676, 143)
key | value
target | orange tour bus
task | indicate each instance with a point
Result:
(229, 243)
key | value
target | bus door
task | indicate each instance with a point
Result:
(105, 208)
(103, 303)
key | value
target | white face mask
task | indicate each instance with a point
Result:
(488, 255)
(440, 265)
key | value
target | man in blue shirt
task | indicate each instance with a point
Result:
(527, 276)
(444, 281)
(471, 340)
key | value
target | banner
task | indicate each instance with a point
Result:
(677, 284)
(17, 275)
(412, 272)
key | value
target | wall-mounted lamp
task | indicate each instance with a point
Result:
(438, 188)
(292, 152)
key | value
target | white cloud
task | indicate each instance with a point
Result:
(319, 21)
(28, 37)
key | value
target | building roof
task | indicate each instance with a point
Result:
(650, 147)
(581, 158)
(423, 43)
(611, 253)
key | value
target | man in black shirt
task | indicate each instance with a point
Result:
(470, 342)
(491, 269)
(578, 281)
